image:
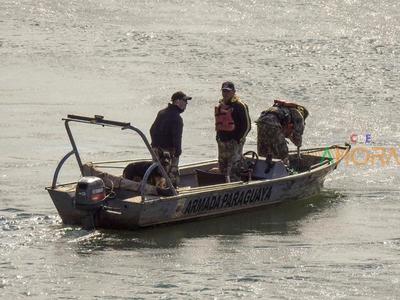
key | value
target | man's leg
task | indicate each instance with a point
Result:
(236, 159)
(267, 136)
(174, 171)
(222, 157)
(281, 149)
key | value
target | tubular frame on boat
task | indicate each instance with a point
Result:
(99, 120)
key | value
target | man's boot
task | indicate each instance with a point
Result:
(268, 163)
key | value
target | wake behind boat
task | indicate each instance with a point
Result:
(106, 199)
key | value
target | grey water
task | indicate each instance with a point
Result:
(124, 59)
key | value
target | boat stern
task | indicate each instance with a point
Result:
(64, 200)
(122, 211)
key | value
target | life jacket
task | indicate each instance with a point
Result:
(223, 118)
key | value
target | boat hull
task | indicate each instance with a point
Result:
(132, 213)
(231, 199)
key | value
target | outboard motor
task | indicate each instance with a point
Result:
(90, 193)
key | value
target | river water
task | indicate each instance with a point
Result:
(124, 59)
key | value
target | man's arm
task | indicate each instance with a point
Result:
(244, 124)
(177, 129)
(298, 128)
(153, 130)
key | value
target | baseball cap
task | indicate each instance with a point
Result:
(228, 86)
(180, 96)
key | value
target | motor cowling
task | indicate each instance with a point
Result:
(90, 193)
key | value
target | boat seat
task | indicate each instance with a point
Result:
(278, 170)
(208, 178)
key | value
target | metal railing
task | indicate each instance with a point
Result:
(99, 120)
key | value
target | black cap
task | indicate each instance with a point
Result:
(228, 86)
(180, 96)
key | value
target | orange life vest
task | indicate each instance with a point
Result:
(223, 118)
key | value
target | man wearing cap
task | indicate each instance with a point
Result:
(232, 124)
(166, 134)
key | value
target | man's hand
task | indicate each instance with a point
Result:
(296, 139)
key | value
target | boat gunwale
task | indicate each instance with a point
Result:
(225, 186)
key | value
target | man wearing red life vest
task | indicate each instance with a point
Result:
(282, 120)
(232, 124)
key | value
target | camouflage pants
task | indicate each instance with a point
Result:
(230, 158)
(170, 164)
(270, 138)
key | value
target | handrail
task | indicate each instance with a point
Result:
(74, 148)
(99, 120)
(316, 149)
(62, 161)
(144, 179)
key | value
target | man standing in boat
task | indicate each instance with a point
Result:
(166, 134)
(232, 124)
(282, 120)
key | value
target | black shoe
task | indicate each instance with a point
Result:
(268, 166)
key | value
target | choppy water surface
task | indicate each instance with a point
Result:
(123, 59)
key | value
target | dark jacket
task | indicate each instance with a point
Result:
(166, 131)
(241, 119)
